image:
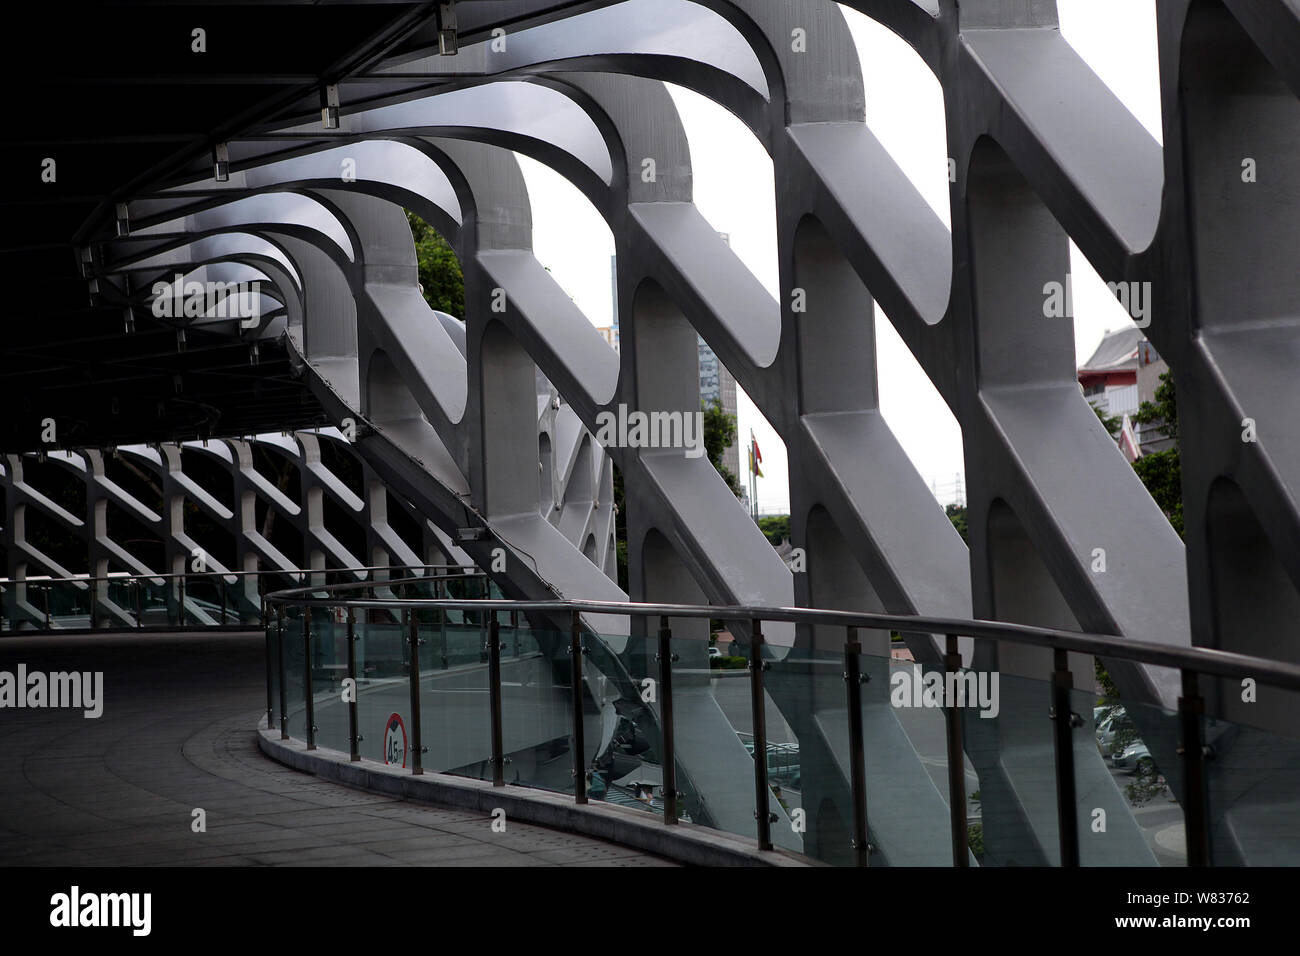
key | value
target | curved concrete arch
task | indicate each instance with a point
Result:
(214, 248)
(916, 22)
(284, 210)
(533, 111)
(852, 232)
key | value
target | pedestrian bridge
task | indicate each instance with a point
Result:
(474, 443)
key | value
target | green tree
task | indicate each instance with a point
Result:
(1162, 471)
(957, 515)
(1164, 410)
(1111, 423)
(775, 527)
(719, 435)
(441, 280)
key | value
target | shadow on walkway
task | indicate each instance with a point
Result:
(177, 735)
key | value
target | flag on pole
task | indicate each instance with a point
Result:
(755, 456)
(1128, 442)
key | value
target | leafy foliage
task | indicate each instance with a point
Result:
(1111, 423)
(957, 515)
(1162, 471)
(728, 663)
(441, 280)
(1164, 410)
(775, 527)
(719, 435)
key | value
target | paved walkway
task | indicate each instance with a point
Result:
(177, 734)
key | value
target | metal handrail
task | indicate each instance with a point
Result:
(1203, 660)
(119, 577)
(1190, 662)
(89, 586)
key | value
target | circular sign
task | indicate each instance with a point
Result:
(395, 740)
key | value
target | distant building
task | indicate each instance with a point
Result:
(1109, 377)
(717, 384)
(1120, 375)
(610, 334)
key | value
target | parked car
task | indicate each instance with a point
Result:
(1135, 759)
(715, 652)
(1111, 728)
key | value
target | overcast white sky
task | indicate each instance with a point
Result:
(734, 191)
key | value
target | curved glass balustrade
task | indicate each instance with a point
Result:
(841, 746)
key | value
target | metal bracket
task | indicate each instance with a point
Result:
(1075, 720)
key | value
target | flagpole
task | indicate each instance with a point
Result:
(753, 476)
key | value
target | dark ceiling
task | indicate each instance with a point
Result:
(114, 94)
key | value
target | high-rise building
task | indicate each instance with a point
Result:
(717, 384)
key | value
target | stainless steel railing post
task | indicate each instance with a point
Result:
(1067, 811)
(1196, 823)
(494, 701)
(956, 764)
(857, 748)
(668, 756)
(579, 745)
(758, 705)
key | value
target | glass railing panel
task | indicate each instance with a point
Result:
(294, 658)
(329, 669)
(1013, 817)
(383, 687)
(537, 708)
(203, 600)
(455, 713)
(621, 723)
(712, 722)
(1010, 742)
(25, 604)
(1252, 770)
(1138, 746)
(905, 745)
(120, 593)
(806, 718)
(273, 665)
(244, 600)
(156, 601)
(68, 603)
